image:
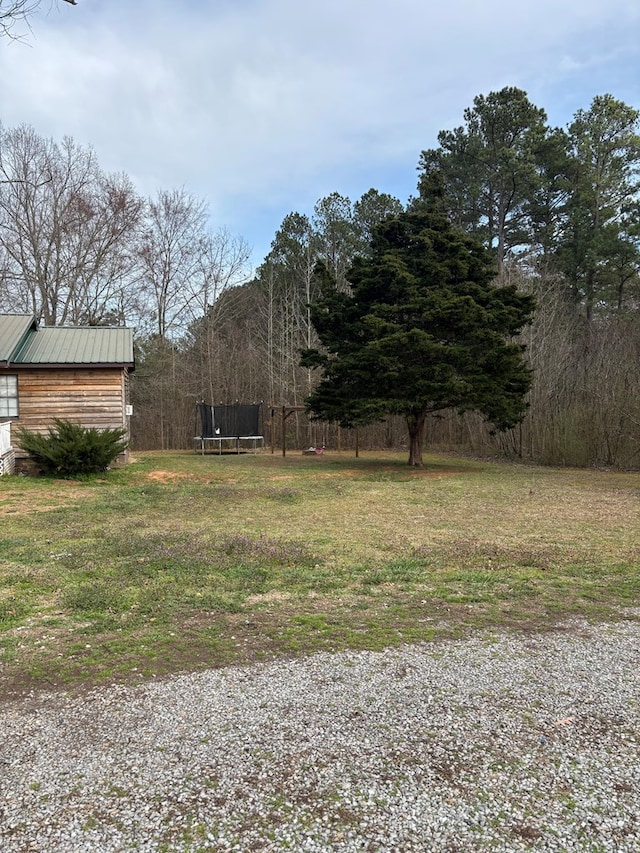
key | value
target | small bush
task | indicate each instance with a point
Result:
(70, 449)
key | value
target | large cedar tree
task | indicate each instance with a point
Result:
(423, 328)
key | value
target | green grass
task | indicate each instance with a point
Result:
(181, 561)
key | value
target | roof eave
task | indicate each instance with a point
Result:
(69, 365)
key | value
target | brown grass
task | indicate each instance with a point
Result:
(182, 561)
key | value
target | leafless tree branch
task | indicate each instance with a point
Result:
(15, 12)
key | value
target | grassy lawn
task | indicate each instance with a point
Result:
(181, 561)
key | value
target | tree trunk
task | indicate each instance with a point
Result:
(415, 425)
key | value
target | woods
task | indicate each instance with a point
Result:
(556, 209)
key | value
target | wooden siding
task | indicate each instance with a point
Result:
(93, 397)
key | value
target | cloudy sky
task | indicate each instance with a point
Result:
(262, 107)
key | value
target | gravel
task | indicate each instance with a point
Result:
(500, 742)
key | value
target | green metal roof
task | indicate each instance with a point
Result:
(59, 345)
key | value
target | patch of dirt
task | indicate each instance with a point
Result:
(273, 597)
(165, 476)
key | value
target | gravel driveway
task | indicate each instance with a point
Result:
(498, 743)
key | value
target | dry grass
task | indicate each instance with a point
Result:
(181, 561)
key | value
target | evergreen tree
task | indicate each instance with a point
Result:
(490, 169)
(422, 330)
(598, 251)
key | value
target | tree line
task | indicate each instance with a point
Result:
(557, 208)
(79, 246)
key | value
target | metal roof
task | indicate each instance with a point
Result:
(13, 328)
(60, 345)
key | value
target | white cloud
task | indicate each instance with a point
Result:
(261, 104)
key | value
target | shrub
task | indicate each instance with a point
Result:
(69, 449)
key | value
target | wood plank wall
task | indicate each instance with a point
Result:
(93, 397)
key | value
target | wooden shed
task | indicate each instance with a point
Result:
(79, 374)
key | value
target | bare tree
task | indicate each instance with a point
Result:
(185, 269)
(172, 249)
(224, 263)
(66, 232)
(288, 279)
(16, 12)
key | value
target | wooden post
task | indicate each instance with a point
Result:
(284, 432)
(357, 443)
(272, 429)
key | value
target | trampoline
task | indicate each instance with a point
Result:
(238, 424)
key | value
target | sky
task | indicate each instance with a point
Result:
(262, 107)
